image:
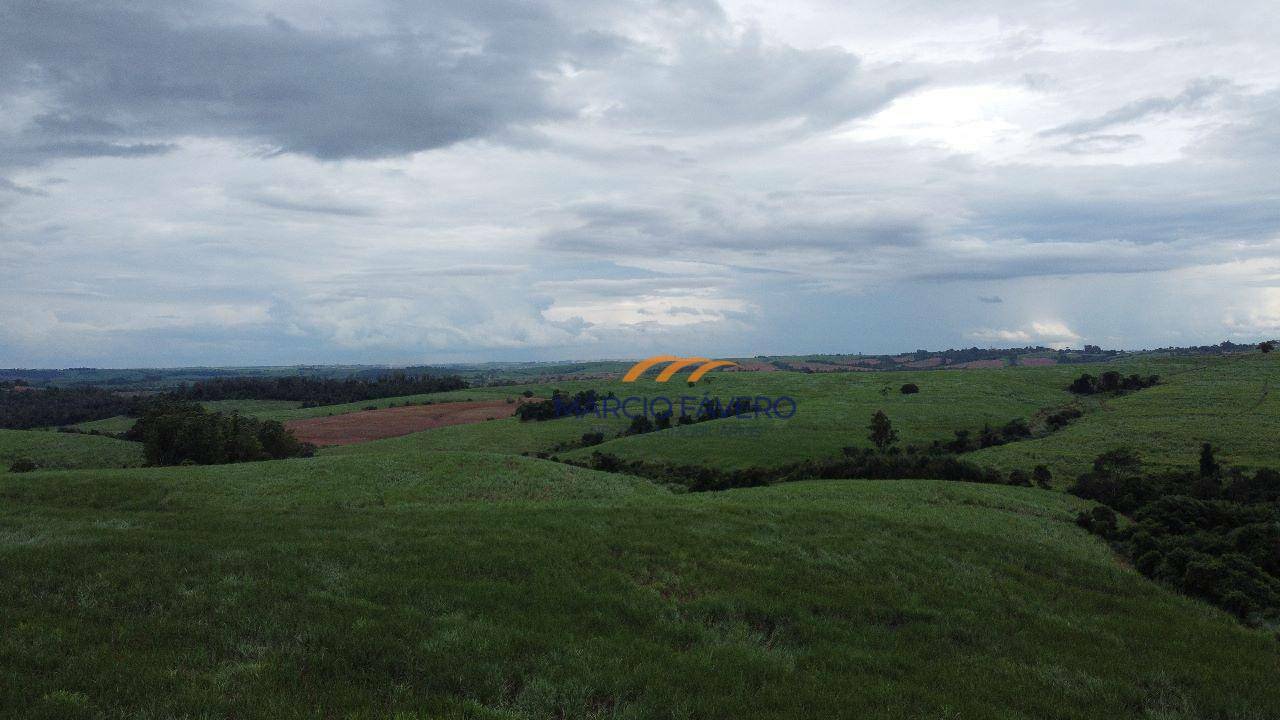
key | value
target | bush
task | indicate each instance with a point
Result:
(640, 425)
(22, 465)
(538, 411)
(1042, 477)
(592, 438)
(1061, 418)
(910, 389)
(1020, 478)
(1100, 520)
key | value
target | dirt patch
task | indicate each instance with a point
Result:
(358, 427)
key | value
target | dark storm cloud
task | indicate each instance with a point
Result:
(109, 70)
(115, 79)
(1196, 92)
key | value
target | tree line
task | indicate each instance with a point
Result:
(23, 408)
(312, 391)
(1111, 383)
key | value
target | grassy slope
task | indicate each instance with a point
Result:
(115, 424)
(497, 586)
(1232, 402)
(66, 450)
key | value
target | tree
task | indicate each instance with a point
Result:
(910, 389)
(883, 436)
(1267, 346)
(1209, 467)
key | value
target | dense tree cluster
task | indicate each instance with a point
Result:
(1112, 383)
(23, 408)
(313, 391)
(176, 433)
(1212, 534)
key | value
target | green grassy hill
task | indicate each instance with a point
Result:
(50, 449)
(481, 585)
(442, 574)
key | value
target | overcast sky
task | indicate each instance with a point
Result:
(403, 181)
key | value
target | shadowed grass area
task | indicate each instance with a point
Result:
(483, 585)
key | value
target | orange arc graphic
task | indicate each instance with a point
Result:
(638, 369)
(678, 365)
(697, 374)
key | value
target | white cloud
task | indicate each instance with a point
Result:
(1051, 333)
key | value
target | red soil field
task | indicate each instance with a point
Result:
(358, 427)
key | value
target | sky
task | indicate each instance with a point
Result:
(395, 181)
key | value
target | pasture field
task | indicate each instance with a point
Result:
(391, 584)
(1232, 402)
(445, 574)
